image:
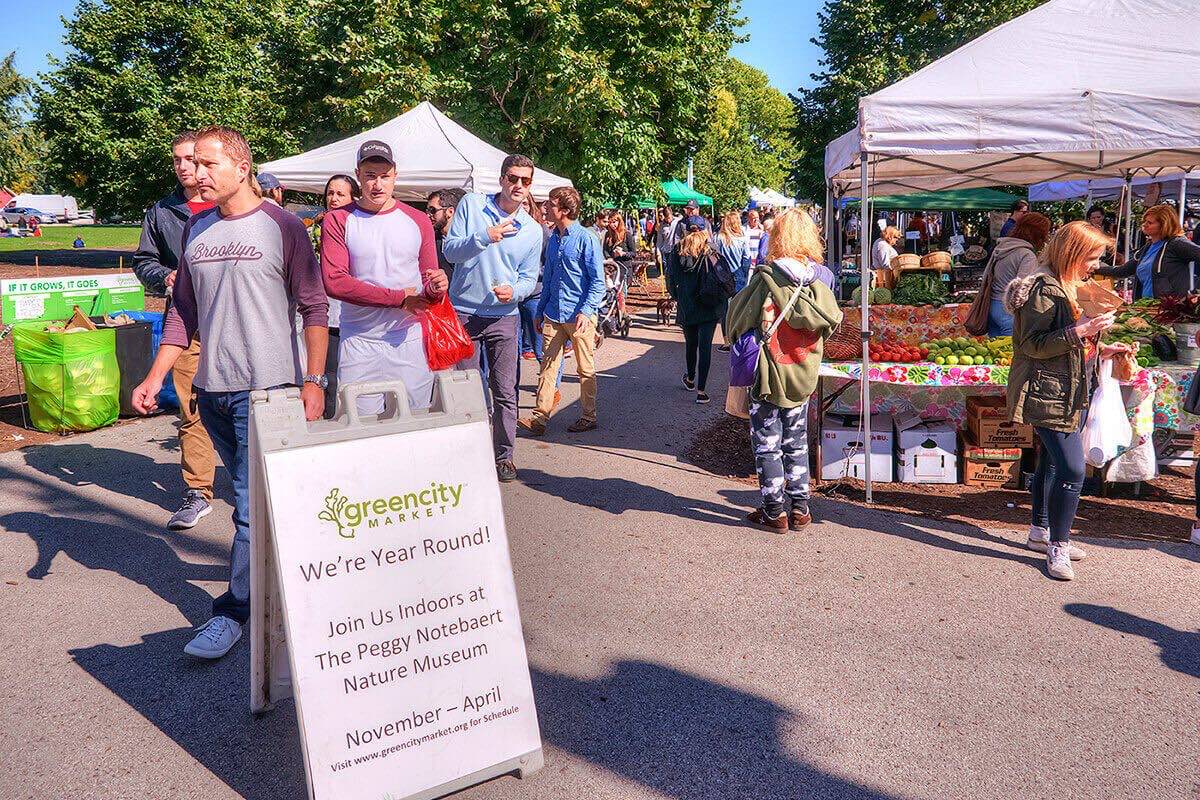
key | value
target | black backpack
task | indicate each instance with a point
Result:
(716, 281)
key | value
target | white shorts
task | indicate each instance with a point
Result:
(362, 360)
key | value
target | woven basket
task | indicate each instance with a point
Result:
(906, 261)
(845, 344)
(939, 260)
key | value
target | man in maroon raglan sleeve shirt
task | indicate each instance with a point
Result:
(247, 267)
(379, 258)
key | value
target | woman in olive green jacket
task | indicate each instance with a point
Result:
(786, 373)
(1050, 383)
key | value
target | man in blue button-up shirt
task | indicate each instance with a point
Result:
(572, 288)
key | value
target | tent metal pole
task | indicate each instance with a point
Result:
(864, 254)
(1128, 216)
(1182, 196)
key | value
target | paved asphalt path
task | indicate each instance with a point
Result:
(675, 653)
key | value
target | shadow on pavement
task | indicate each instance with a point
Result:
(676, 734)
(205, 708)
(131, 474)
(616, 495)
(141, 558)
(682, 736)
(928, 531)
(1180, 650)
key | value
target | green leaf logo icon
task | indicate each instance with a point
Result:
(335, 502)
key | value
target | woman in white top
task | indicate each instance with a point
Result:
(884, 249)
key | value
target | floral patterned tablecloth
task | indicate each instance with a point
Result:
(1152, 399)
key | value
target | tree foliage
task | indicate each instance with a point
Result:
(20, 143)
(610, 93)
(748, 139)
(870, 44)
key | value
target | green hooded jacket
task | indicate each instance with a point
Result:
(787, 365)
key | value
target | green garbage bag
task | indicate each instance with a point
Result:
(72, 380)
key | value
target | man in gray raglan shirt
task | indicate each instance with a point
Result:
(247, 267)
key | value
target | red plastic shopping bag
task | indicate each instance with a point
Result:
(446, 340)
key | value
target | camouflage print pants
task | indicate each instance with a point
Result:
(780, 439)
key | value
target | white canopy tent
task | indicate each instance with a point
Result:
(1068, 91)
(432, 152)
(770, 197)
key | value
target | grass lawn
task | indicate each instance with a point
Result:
(60, 237)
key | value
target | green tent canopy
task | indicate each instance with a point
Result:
(950, 200)
(678, 194)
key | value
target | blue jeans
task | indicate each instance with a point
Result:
(226, 417)
(531, 341)
(1000, 322)
(1058, 481)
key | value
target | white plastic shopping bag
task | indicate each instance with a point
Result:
(1107, 429)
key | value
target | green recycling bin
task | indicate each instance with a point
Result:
(72, 381)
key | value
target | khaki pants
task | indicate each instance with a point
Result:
(554, 339)
(198, 459)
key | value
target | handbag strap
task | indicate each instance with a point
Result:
(787, 309)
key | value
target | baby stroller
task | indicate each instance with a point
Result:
(614, 316)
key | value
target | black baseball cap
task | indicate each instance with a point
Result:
(692, 204)
(373, 148)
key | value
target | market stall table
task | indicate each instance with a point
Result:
(1153, 398)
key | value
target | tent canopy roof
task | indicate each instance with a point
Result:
(1110, 188)
(678, 194)
(949, 200)
(432, 152)
(1067, 91)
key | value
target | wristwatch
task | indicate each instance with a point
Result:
(319, 380)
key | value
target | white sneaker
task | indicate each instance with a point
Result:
(214, 638)
(1058, 562)
(1039, 540)
(1196, 534)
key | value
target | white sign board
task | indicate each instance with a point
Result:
(407, 658)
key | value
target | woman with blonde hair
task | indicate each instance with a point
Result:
(731, 247)
(1163, 265)
(695, 312)
(1051, 381)
(884, 249)
(785, 285)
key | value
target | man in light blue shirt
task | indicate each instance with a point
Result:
(572, 288)
(496, 249)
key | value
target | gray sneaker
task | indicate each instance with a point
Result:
(194, 507)
(1058, 561)
(214, 638)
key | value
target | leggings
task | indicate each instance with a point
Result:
(697, 341)
(1058, 481)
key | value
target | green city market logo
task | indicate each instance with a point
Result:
(351, 515)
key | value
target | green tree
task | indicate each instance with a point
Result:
(20, 143)
(870, 44)
(139, 71)
(748, 140)
(611, 93)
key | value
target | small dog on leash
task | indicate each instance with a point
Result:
(666, 309)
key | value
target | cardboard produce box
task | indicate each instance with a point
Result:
(928, 453)
(991, 467)
(843, 454)
(988, 425)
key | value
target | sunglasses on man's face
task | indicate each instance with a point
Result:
(433, 210)
(514, 179)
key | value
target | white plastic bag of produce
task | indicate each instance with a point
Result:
(1107, 429)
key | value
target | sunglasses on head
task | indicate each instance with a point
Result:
(515, 179)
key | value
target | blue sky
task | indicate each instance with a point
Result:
(779, 33)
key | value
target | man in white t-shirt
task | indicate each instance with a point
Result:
(379, 258)
(754, 232)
